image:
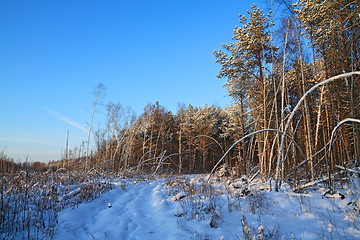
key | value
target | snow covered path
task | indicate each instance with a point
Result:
(146, 211)
(139, 212)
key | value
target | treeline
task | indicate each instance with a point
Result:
(271, 62)
(7, 164)
(190, 141)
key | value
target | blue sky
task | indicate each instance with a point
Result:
(54, 53)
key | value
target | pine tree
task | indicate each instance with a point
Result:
(333, 27)
(245, 65)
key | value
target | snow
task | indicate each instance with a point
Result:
(139, 212)
(69, 195)
(178, 196)
(186, 208)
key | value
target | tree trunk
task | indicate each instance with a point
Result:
(99, 90)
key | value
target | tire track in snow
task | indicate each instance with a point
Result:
(140, 212)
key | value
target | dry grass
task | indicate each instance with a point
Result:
(30, 202)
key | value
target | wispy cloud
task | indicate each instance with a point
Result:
(29, 141)
(64, 119)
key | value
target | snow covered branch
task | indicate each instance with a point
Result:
(281, 148)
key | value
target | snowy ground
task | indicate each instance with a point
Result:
(139, 212)
(187, 208)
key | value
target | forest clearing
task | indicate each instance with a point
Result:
(175, 207)
(281, 162)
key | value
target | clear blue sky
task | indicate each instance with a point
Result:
(54, 53)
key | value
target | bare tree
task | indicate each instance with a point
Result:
(98, 95)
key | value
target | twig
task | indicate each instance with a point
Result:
(93, 170)
(252, 178)
(348, 169)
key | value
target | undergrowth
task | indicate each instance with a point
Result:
(30, 202)
(201, 200)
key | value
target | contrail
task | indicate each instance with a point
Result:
(29, 141)
(64, 119)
